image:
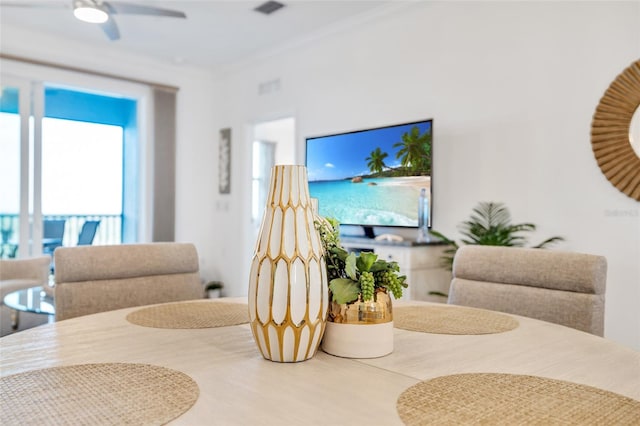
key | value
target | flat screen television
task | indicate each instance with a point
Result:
(374, 177)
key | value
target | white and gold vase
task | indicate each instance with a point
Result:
(288, 292)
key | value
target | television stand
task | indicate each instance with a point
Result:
(368, 231)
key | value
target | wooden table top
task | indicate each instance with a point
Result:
(238, 386)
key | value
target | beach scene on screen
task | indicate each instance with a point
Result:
(371, 177)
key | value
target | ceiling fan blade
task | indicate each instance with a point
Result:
(118, 7)
(36, 4)
(110, 29)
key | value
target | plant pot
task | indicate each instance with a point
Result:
(360, 329)
(214, 289)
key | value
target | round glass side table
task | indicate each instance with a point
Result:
(32, 299)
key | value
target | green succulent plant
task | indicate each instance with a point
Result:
(490, 225)
(356, 277)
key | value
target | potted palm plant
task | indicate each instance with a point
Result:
(490, 225)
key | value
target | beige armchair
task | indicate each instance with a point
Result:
(91, 279)
(17, 274)
(555, 286)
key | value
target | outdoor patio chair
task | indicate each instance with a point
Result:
(88, 232)
(52, 234)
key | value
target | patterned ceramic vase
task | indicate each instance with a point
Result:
(288, 293)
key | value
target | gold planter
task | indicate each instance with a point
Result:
(360, 329)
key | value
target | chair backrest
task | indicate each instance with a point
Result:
(34, 269)
(555, 286)
(91, 279)
(16, 274)
(53, 229)
(88, 232)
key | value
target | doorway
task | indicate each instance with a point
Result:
(273, 143)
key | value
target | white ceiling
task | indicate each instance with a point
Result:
(216, 33)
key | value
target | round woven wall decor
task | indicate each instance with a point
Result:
(610, 132)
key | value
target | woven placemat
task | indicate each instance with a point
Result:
(507, 399)
(96, 394)
(191, 315)
(451, 320)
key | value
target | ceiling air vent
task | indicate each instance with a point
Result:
(269, 7)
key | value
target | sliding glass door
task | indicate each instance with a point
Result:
(20, 106)
(68, 157)
(83, 155)
(9, 172)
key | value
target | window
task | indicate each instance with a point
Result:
(81, 168)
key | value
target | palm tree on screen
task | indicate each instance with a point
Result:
(375, 160)
(415, 150)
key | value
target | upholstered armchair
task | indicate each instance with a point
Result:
(91, 279)
(555, 286)
(17, 274)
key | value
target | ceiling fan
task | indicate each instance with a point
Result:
(101, 12)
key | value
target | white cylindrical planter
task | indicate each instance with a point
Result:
(358, 340)
(288, 292)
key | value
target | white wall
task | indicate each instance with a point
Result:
(512, 88)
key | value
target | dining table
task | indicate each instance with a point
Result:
(196, 363)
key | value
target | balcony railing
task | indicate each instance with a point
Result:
(109, 231)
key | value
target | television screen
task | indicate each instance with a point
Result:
(374, 177)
